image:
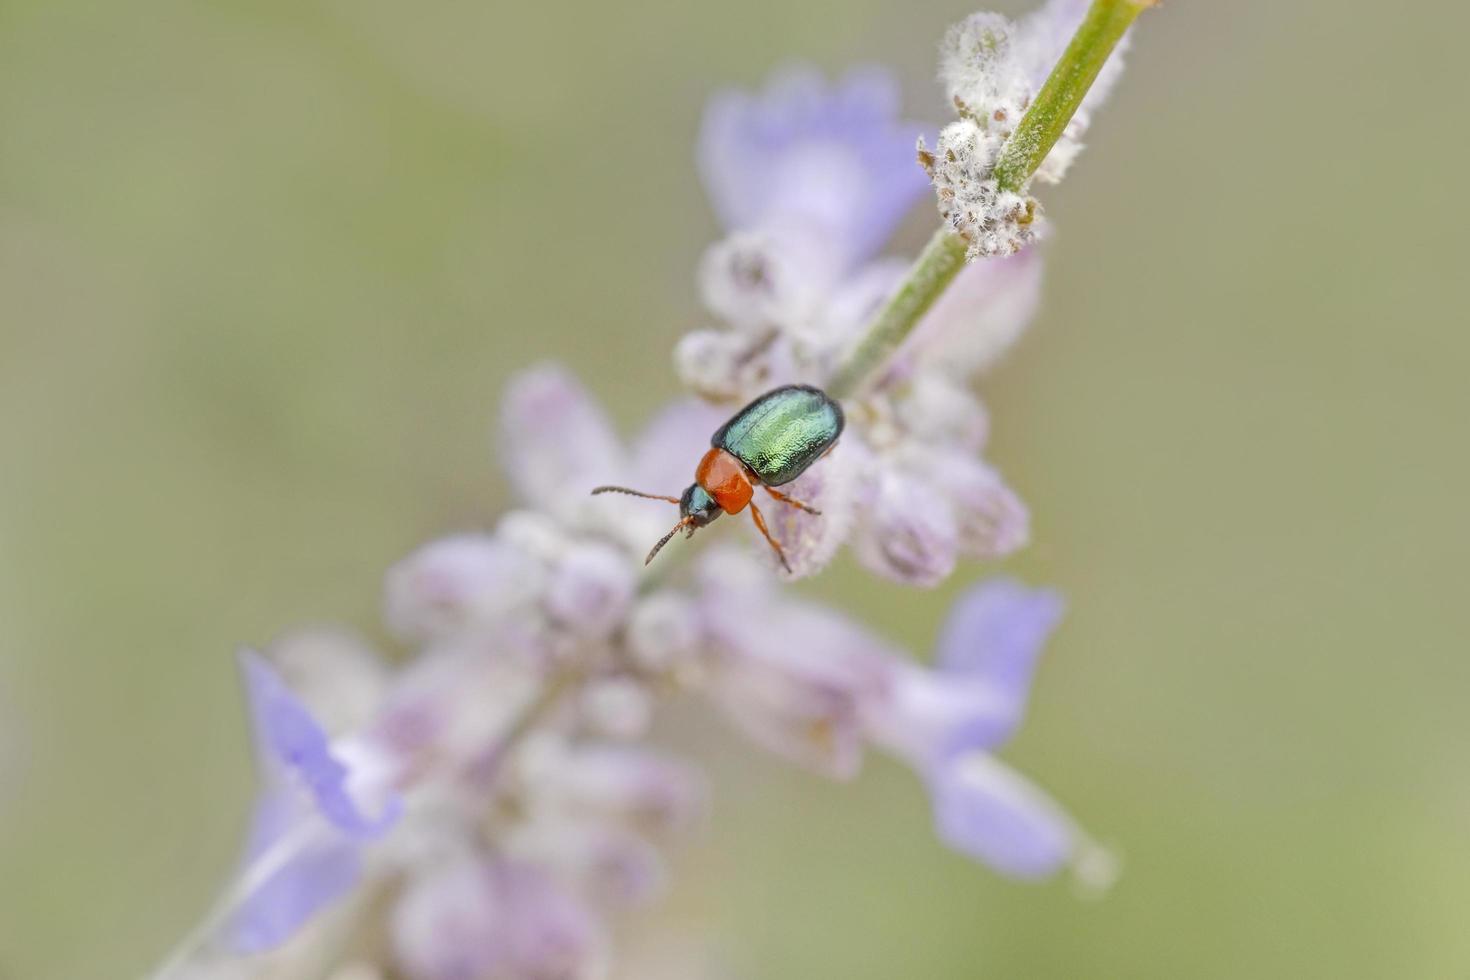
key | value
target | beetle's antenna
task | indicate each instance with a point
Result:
(634, 493)
(683, 523)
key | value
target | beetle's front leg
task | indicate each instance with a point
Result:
(792, 501)
(760, 522)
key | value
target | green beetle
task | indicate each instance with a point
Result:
(768, 443)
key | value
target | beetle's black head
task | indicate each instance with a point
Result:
(698, 507)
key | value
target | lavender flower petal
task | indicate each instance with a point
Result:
(303, 783)
(324, 871)
(911, 535)
(938, 409)
(996, 632)
(446, 925)
(977, 696)
(610, 864)
(991, 520)
(468, 584)
(558, 444)
(476, 918)
(652, 792)
(797, 679)
(292, 749)
(590, 590)
(989, 812)
(802, 154)
(928, 716)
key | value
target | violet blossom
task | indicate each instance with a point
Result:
(491, 793)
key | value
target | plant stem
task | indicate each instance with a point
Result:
(1030, 142)
(1047, 117)
(935, 269)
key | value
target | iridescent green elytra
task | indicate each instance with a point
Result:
(782, 432)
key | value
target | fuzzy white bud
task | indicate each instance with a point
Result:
(993, 221)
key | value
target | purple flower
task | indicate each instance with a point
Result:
(990, 520)
(646, 790)
(557, 442)
(468, 584)
(910, 535)
(806, 157)
(945, 722)
(305, 799)
(795, 677)
(590, 590)
(988, 811)
(607, 863)
(976, 695)
(477, 918)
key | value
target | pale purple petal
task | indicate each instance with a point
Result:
(548, 932)
(989, 812)
(557, 442)
(472, 919)
(663, 634)
(460, 585)
(992, 521)
(292, 750)
(804, 154)
(611, 864)
(590, 589)
(618, 706)
(926, 716)
(797, 678)
(449, 708)
(977, 696)
(303, 784)
(655, 793)
(996, 633)
(714, 364)
(911, 535)
(938, 409)
(324, 871)
(445, 926)
(778, 275)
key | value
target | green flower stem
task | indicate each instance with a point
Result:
(1030, 142)
(1047, 117)
(941, 260)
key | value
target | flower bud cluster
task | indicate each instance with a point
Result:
(992, 69)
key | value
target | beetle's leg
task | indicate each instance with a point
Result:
(793, 502)
(760, 522)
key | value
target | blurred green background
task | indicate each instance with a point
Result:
(265, 266)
